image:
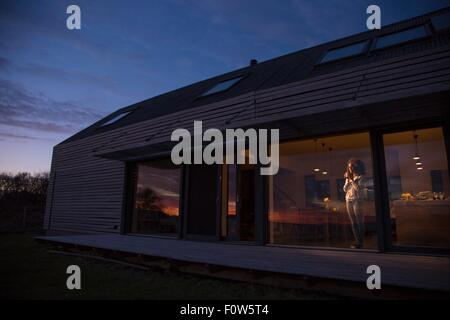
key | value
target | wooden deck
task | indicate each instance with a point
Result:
(399, 270)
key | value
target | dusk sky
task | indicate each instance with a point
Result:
(55, 81)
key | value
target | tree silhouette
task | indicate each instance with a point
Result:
(149, 200)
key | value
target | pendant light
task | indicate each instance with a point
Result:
(329, 162)
(416, 155)
(316, 168)
(324, 172)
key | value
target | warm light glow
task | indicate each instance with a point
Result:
(316, 169)
(324, 172)
(419, 168)
(416, 158)
(170, 211)
(231, 208)
(418, 163)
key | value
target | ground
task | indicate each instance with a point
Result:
(29, 271)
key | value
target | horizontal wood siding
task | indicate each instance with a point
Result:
(86, 190)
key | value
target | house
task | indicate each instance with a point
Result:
(377, 102)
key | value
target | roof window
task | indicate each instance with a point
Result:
(441, 22)
(222, 86)
(344, 52)
(116, 118)
(400, 37)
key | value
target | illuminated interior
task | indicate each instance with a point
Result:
(307, 203)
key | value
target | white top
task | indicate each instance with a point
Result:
(354, 188)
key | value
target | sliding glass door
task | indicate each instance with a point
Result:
(238, 202)
(323, 194)
(156, 199)
(419, 188)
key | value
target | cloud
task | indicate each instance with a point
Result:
(4, 136)
(57, 74)
(23, 109)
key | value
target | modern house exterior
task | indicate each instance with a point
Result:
(379, 100)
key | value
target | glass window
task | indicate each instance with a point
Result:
(323, 193)
(419, 198)
(238, 202)
(233, 228)
(344, 52)
(156, 201)
(222, 86)
(116, 118)
(441, 22)
(400, 37)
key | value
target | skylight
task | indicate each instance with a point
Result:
(343, 52)
(116, 118)
(222, 86)
(400, 37)
(441, 22)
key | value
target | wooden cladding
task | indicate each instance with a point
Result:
(86, 190)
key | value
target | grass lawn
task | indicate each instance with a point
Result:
(29, 271)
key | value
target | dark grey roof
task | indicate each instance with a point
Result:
(292, 67)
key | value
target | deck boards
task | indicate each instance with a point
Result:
(410, 271)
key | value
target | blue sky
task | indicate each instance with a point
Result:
(54, 82)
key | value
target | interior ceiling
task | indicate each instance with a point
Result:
(341, 142)
(358, 141)
(407, 137)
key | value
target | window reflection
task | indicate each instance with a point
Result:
(417, 171)
(233, 227)
(156, 205)
(323, 193)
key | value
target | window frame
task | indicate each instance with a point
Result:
(382, 209)
(206, 94)
(364, 50)
(129, 195)
(116, 118)
(379, 232)
(382, 194)
(373, 47)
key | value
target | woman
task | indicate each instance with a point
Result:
(355, 191)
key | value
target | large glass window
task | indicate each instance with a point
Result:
(419, 190)
(156, 200)
(323, 193)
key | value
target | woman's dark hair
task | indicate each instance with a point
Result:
(358, 166)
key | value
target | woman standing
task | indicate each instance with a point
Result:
(355, 191)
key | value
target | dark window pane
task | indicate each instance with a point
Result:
(201, 206)
(441, 22)
(311, 202)
(156, 206)
(437, 181)
(400, 37)
(419, 187)
(343, 52)
(222, 86)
